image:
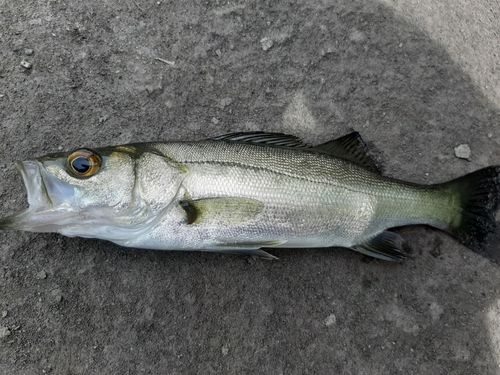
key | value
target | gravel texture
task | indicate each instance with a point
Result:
(416, 79)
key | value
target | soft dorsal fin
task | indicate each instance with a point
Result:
(263, 138)
(350, 147)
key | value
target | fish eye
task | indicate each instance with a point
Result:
(84, 163)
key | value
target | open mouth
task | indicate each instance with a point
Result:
(34, 184)
(46, 194)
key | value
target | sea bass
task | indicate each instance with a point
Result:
(242, 192)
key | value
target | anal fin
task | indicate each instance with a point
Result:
(386, 246)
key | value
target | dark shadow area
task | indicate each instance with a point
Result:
(74, 306)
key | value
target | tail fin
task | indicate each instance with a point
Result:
(479, 194)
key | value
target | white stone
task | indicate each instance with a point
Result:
(462, 151)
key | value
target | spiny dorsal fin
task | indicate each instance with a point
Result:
(350, 147)
(263, 138)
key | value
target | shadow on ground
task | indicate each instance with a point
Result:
(74, 306)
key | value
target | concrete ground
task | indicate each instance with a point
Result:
(415, 78)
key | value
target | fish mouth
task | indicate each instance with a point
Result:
(48, 199)
(34, 184)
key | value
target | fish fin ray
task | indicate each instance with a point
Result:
(350, 147)
(220, 211)
(245, 248)
(247, 252)
(386, 245)
(479, 199)
(191, 210)
(264, 138)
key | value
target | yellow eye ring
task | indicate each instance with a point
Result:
(84, 163)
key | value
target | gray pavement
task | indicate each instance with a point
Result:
(416, 79)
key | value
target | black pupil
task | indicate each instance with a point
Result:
(81, 164)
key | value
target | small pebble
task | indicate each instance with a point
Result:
(224, 102)
(56, 295)
(462, 151)
(41, 275)
(215, 121)
(4, 332)
(28, 52)
(25, 64)
(330, 320)
(218, 52)
(4, 314)
(266, 43)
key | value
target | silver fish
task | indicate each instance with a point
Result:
(242, 192)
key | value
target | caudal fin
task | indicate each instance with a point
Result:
(479, 197)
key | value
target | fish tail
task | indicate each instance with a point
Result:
(478, 198)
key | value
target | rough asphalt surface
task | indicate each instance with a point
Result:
(416, 79)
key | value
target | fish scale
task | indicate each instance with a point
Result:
(242, 192)
(323, 201)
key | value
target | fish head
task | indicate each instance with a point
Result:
(83, 193)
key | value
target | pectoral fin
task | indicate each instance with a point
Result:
(386, 245)
(251, 248)
(220, 211)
